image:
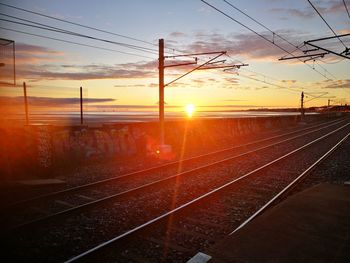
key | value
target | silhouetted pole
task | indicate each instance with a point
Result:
(161, 90)
(302, 105)
(81, 106)
(25, 102)
(14, 63)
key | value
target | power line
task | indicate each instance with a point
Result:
(333, 62)
(263, 81)
(77, 24)
(326, 71)
(75, 43)
(260, 35)
(326, 22)
(346, 8)
(297, 47)
(84, 26)
(259, 23)
(273, 84)
(58, 30)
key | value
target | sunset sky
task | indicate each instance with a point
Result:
(55, 69)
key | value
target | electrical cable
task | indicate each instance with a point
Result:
(84, 26)
(259, 23)
(139, 48)
(326, 22)
(263, 81)
(346, 8)
(77, 24)
(297, 47)
(75, 43)
(255, 32)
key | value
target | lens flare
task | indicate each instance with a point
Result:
(190, 110)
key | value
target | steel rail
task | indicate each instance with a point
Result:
(144, 186)
(159, 167)
(291, 185)
(200, 198)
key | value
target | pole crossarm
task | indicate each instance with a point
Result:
(181, 64)
(228, 67)
(310, 50)
(345, 55)
(314, 57)
(196, 54)
(305, 56)
(201, 65)
(317, 47)
(326, 38)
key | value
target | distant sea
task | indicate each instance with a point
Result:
(98, 118)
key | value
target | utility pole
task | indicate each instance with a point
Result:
(25, 102)
(161, 90)
(161, 67)
(81, 106)
(302, 105)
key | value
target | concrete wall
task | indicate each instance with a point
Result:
(42, 149)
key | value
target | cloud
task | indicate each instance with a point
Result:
(305, 14)
(324, 7)
(90, 71)
(234, 100)
(173, 85)
(246, 44)
(130, 86)
(49, 101)
(345, 31)
(338, 84)
(29, 54)
(177, 34)
(153, 85)
(289, 81)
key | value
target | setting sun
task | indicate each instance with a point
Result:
(190, 109)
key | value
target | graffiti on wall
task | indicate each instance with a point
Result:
(46, 146)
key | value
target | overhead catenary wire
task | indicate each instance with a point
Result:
(262, 36)
(326, 71)
(84, 26)
(335, 62)
(269, 83)
(139, 48)
(259, 23)
(324, 20)
(265, 76)
(76, 24)
(346, 8)
(76, 43)
(298, 90)
(297, 47)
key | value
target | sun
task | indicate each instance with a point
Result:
(190, 108)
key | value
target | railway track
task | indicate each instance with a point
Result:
(145, 203)
(198, 224)
(51, 206)
(55, 193)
